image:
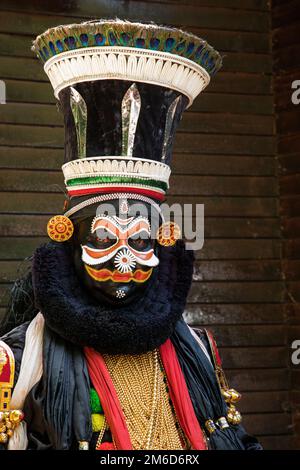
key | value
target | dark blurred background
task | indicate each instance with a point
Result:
(237, 151)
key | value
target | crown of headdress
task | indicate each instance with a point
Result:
(148, 53)
(144, 68)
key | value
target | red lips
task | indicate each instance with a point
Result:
(116, 276)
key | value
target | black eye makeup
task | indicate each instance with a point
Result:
(101, 239)
(140, 241)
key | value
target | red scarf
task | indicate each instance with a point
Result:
(177, 388)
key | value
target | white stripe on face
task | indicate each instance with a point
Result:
(122, 230)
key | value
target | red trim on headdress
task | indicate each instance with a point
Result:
(117, 189)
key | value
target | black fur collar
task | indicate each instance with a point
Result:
(136, 328)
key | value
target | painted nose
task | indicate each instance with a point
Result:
(125, 261)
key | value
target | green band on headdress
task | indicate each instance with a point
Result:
(116, 179)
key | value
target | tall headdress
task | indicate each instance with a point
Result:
(123, 87)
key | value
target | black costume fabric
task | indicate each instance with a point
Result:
(204, 390)
(57, 409)
(51, 407)
(139, 327)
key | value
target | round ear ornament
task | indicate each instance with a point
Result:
(60, 228)
(168, 234)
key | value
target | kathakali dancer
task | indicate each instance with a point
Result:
(96, 353)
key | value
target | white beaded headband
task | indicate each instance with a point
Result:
(111, 197)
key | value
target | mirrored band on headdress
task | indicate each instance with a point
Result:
(169, 126)
(111, 197)
(130, 111)
(79, 111)
(131, 106)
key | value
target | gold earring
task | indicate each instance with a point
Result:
(60, 228)
(168, 234)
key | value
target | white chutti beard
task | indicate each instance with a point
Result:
(87, 259)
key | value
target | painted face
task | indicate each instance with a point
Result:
(114, 255)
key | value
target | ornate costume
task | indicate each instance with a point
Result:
(102, 356)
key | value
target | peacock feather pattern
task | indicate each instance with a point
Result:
(119, 33)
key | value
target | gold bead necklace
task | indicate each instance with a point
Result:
(139, 383)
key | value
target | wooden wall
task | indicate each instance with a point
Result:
(224, 158)
(286, 40)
